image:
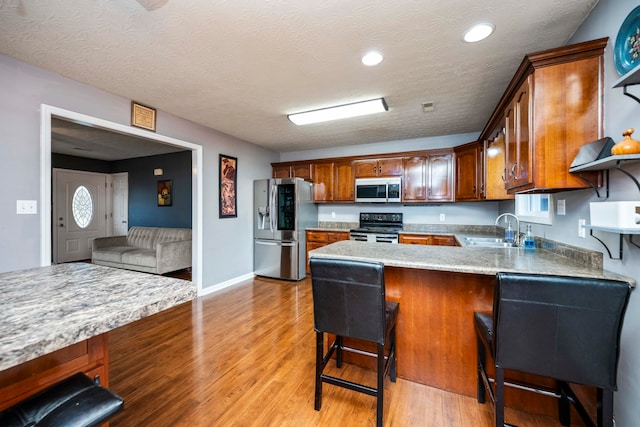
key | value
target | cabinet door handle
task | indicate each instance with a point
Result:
(503, 176)
(513, 170)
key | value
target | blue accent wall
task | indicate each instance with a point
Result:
(143, 201)
(63, 161)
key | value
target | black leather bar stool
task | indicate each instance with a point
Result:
(565, 328)
(76, 401)
(349, 301)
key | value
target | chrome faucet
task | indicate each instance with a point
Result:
(517, 230)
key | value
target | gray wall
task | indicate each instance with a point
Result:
(621, 112)
(227, 243)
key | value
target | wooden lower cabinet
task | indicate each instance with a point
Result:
(89, 356)
(317, 239)
(428, 239)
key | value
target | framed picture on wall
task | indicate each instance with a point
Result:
(228, 181)
(165, 194)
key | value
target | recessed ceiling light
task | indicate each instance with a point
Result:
(478, 32)
(372, 58)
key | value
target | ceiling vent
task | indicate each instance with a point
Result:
(427, 107)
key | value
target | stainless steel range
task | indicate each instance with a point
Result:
(378, 227)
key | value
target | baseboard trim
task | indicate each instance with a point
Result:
(226, 284)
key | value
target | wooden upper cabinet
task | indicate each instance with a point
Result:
(414, 184)
(518, 137)
(495, 167)
(440, 177)
(333, 181)
(301, 170)
(322, 174)
(428, 178)
(371, 168)
(469, 179)
(292, 170)
(281, 171)
(344, 184)
(551, 108)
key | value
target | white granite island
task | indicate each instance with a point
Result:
(53, 320)
(439, 288)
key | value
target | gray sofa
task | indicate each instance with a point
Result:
(148, 249)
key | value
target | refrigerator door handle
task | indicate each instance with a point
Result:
(272, 210)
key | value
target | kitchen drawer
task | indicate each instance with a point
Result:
(337, 236)
(317, 236)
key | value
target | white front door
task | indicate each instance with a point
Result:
(79, 213)
(120, 203)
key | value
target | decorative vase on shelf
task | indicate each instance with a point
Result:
(627, 146)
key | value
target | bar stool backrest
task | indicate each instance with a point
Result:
(349, 298)
(561, 327)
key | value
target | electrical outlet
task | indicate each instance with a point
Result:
(442, 217)
(561, 207)
(333, 214)
(582, 232)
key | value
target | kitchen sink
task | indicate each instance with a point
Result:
(488, 242)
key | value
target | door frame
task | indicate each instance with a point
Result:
(47, 112)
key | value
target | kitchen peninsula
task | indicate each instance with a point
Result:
(53, 320)
(439, 288)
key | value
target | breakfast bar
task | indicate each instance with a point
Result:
(439, 288)
(54, 320)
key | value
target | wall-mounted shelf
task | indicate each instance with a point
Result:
(616, 230)
(629, 79)
(611, 162)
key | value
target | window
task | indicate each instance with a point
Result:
(537, 208)
(82, 206)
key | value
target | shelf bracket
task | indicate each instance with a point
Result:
(630, 95)
(607, 248)
(595, 187)
(633, 178)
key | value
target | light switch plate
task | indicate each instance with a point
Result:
(560, 206)
(26, 207)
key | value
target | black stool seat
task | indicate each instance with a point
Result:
(349, 301)
(484, 328)
(560, 327)
(76, 401)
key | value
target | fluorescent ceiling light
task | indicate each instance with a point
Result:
(339, 112)
(478, 32)
(372, 58)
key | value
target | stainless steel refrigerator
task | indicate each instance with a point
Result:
(283, 209)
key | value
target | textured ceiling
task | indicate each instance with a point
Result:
(79, 140)
(239, 66)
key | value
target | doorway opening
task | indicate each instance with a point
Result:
(48, 112)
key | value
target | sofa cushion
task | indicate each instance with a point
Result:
(147, 237)
(111, 254)
(138, 256)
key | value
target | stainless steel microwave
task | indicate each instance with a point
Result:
(378, 190)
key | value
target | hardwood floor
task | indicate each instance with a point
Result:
(245, 357)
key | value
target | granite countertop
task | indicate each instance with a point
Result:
(466, 259)
(48, 308)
